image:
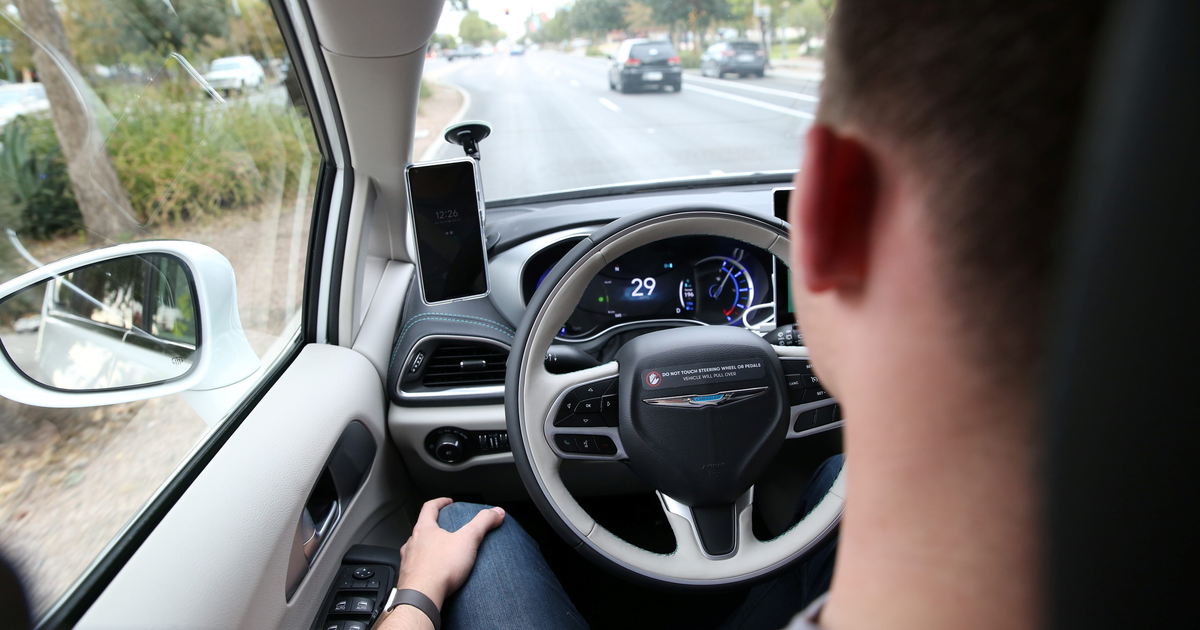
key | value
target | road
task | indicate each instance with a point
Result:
(557, 125)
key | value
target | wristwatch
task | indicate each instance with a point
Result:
(416, 599)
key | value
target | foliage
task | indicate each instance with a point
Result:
(446, 40)
(598, 16)
(426, 88)
(689, 58)
(556, 29)
(37, 190)
(192, 159)
(594, 51)
(639, 16)
(475, 30)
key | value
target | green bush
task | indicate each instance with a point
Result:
(594, 51)
(187, 157)
(36, 193)
(690, 58)
(426, 89)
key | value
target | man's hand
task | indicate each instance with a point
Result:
(437, 562)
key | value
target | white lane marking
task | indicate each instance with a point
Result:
(755, 88)
(609, 104)
(749, 101)
(574, 83)
(503, 66)
(716, 172)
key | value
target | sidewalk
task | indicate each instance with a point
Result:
(806, 68)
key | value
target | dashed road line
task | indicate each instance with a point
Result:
(503, 66)
(609, 104)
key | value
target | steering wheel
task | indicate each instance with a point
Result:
(697, 413)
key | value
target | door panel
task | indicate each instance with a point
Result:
(225, 546)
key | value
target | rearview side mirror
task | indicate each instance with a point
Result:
(121, 324)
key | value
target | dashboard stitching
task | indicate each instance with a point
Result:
(461, 319)
(507, 330)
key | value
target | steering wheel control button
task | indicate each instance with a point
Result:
(813, 395)
(594, 390)
(591, 405)
(581, 420)
(810, 381)
(587, 444)
(797, 366)
(606, 445)
(805, 421)
(824, 416)
(608, 410)
(363, 573)
(566, 443)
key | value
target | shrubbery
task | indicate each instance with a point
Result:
(36, 190)
(690, 58)
(178, 156)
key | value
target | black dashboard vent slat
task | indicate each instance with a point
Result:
(466, 365)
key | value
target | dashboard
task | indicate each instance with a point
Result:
(708, 280)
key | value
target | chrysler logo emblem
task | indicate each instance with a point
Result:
(704, 400)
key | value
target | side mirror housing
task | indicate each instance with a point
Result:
(121, 324)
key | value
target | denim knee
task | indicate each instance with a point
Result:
(454, 516)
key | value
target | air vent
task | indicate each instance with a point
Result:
(466, 365)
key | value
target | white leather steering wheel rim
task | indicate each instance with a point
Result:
(534, 391)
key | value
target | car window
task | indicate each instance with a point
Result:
(745, 46)
(132, 139)
(652, 51)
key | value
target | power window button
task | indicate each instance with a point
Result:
(342, 604)
(354, 625)
(332, 625)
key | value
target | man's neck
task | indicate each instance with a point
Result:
(939, 530)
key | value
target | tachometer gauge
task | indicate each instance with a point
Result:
(724, 290)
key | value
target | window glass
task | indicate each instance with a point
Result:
(565, 116)
(150, 120)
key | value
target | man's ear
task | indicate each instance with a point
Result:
(835, 201)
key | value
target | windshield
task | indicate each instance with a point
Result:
(574, 104)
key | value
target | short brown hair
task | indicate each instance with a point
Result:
(983, 97)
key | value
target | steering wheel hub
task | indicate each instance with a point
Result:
(703, 411)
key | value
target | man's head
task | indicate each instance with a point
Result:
(928, 203)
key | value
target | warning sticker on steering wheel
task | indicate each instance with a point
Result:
(703, 374)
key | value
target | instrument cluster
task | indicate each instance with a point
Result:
(707, 279)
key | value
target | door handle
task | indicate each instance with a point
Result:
(313, 544)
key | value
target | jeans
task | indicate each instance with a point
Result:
(512, 587)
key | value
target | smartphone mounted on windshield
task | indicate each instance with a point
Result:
(446, 207)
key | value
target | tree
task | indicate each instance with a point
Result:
(166, 28)
(697, 15)
(102, 202)
(556, 29)
(475, 30)
(598, 16)
(638, 16)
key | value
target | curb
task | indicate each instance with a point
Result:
(432, 149)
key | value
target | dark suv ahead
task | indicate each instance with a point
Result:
(641, 63)
(741, 56)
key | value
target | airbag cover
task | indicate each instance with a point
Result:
(716, 416)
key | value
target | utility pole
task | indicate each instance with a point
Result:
(762, 13)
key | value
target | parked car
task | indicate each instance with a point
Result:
(741, 56)
(463, 52)
(642, 63)
(235, 73)
(21, 98)
(516, 50)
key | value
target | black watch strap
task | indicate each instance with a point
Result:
(418, 600)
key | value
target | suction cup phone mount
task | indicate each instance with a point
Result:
(468, 134)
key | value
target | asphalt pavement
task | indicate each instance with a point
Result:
(557, 125)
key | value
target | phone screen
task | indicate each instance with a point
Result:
(447, 222)
(783, 276)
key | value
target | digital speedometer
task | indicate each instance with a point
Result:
(725, 290)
